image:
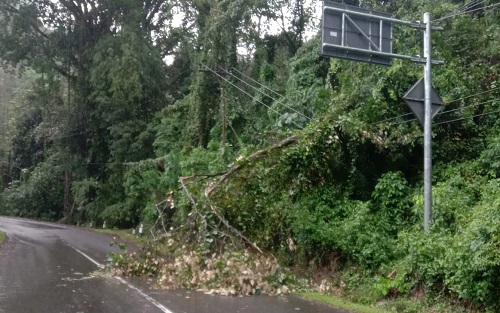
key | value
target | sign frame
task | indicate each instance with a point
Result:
(357, 34)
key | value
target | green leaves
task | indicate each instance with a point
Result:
(38, 193)
(391, 201)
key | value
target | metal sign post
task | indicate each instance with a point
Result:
(427, 124)
(357, 34)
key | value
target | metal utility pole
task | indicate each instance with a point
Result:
(358, 34)
(427, 124)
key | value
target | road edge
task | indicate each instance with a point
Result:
(338, 302)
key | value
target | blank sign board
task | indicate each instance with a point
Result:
(357, 34)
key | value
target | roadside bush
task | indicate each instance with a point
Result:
(424, 256)
(323, 224)
(489, 161)
(473, 259)
(38, 194)
(315, 221)
(391, 202)
(461, 253)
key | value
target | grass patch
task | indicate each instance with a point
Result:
(2, 237)
(340, 303)
(123, 234)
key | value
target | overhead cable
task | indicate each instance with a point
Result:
(452, 101)
(249, 85)
(392, 118)
(403, 122)
(463, 8)
(265, 94)
(463, 118)
(465, 12)
(258, 83)
(243, 91)
(466, 107)
(453, 120)
(476, 94)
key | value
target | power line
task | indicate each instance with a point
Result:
(453, 101)
(465, 12)
(258, 83)
(463, 118)
(466, 107)
(243, 91)
(477, 94)
(265, 94)
(403, 122)
(470, 5)
(463, 8)
(458, 119)
(246, 83)
(392, 118)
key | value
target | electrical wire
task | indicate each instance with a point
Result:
(463, 118)
(265, 94)
(392, 118)
(466, 107)
(403, 122)
(462, 8)
(470, 4)
(249, 85)
(454, 120)
(258, 83)
(465, 12)
(453, 101)
(243, 91)
(476, 94)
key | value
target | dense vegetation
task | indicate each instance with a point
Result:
(229, 125)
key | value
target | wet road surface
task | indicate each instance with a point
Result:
(50, 268)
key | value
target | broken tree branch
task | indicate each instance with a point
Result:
(183, 178)
(285, 143)
(195, 206)
(235, 230)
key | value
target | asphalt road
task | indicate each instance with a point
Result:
(50, 268)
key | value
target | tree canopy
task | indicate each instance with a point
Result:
(115, 110)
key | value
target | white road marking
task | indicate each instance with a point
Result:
(129, 285)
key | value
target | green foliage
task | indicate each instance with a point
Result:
(490, 158)
(171, 129)
(84, 192)
(391, 201)
(306, 94)
(460, 254)
(37, 194)
(2, 237)
(456, 194)
(108, 128)
(28, 143)
(339, 302)
(472, 261)
(127, 80)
